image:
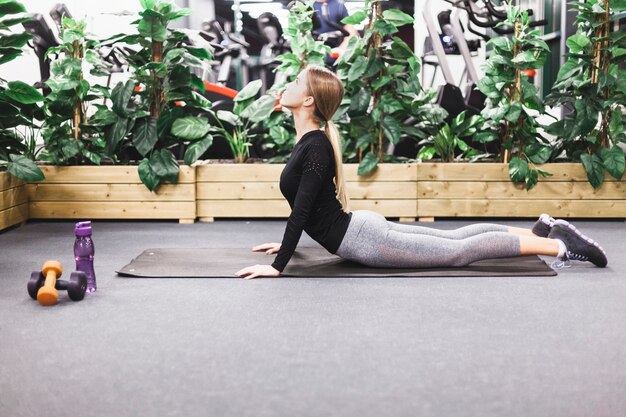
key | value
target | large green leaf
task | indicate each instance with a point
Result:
(577, 42)
(392, 129)
(502, 43)
(145, 135)
(397, 17)
(147, 4)
(164, 164)
(9, 54)
(613, 160)
(357, 69)
(23, 168)
(121, 96)
(360, 102)
(23, 93)
(228, 117)
(14, 41)
(594, 169)
(513, 112)
(355, 18)
(196, 149)
(518, 169)
(7, 23)
(151, 26)
(114, 134)
(190, 128)
(260, 110)
(368, 164)
(249, 91)
(11, 7)
(524, 57)
(147, 175)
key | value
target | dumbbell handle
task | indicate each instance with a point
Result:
(51, 278)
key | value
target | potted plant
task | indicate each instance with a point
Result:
(591, 86)
(19, 113)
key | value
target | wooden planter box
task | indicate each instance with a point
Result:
(110, 192)
(252, 190)
(13, 201)
(485, 190)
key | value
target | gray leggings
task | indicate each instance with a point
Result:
(374, 241)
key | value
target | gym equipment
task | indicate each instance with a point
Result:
(44, 285)
(307, 262)
(449, 96)
(58, 12)
(43, 39)
(229, 47)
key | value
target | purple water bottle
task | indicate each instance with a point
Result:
(84, 252)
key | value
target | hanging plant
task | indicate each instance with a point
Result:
(69, 139)
(512, 104)
(591, 86)
(383, 92)
(18, 103)
(163, 90)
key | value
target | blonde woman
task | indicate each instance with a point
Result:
(313, 184)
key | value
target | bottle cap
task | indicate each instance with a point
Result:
(83, 229)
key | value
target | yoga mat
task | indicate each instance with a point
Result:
(307, 262)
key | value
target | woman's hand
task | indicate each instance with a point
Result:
(269, 248)
(258, 271)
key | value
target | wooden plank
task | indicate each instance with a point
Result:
(483, 171)
(110, 192)
(506, 190)
(271, 172)
(124, 174)
(271, 190)
(14, 215)
(280, 208)
(9, 181)
(521, 208)
(13, 197)
(112, 210)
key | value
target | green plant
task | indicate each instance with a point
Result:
(380, 74)
(512, 104)
(280, 135)
(69, 139)
(18, 103)
(163, 90)
(591, 86)
(238, 126)
(448, 141)
(304, 49)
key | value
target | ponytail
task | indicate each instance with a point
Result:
(340, 184)
(327, 91)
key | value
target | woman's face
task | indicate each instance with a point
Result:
(296, 94)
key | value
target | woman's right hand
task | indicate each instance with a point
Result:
(269, 248)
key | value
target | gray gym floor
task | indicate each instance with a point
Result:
(441, 347)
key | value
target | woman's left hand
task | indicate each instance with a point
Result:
(258, 271)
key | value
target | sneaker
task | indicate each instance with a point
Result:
(578, 246)
(543, 225)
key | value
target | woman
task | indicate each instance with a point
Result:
(313, 184)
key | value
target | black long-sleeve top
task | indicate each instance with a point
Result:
(307, 184)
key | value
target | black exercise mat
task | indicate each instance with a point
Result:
(307, 262)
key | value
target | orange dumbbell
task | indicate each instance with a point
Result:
(48, 294)
(44, 285)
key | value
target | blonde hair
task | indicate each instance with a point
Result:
(327, 91)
